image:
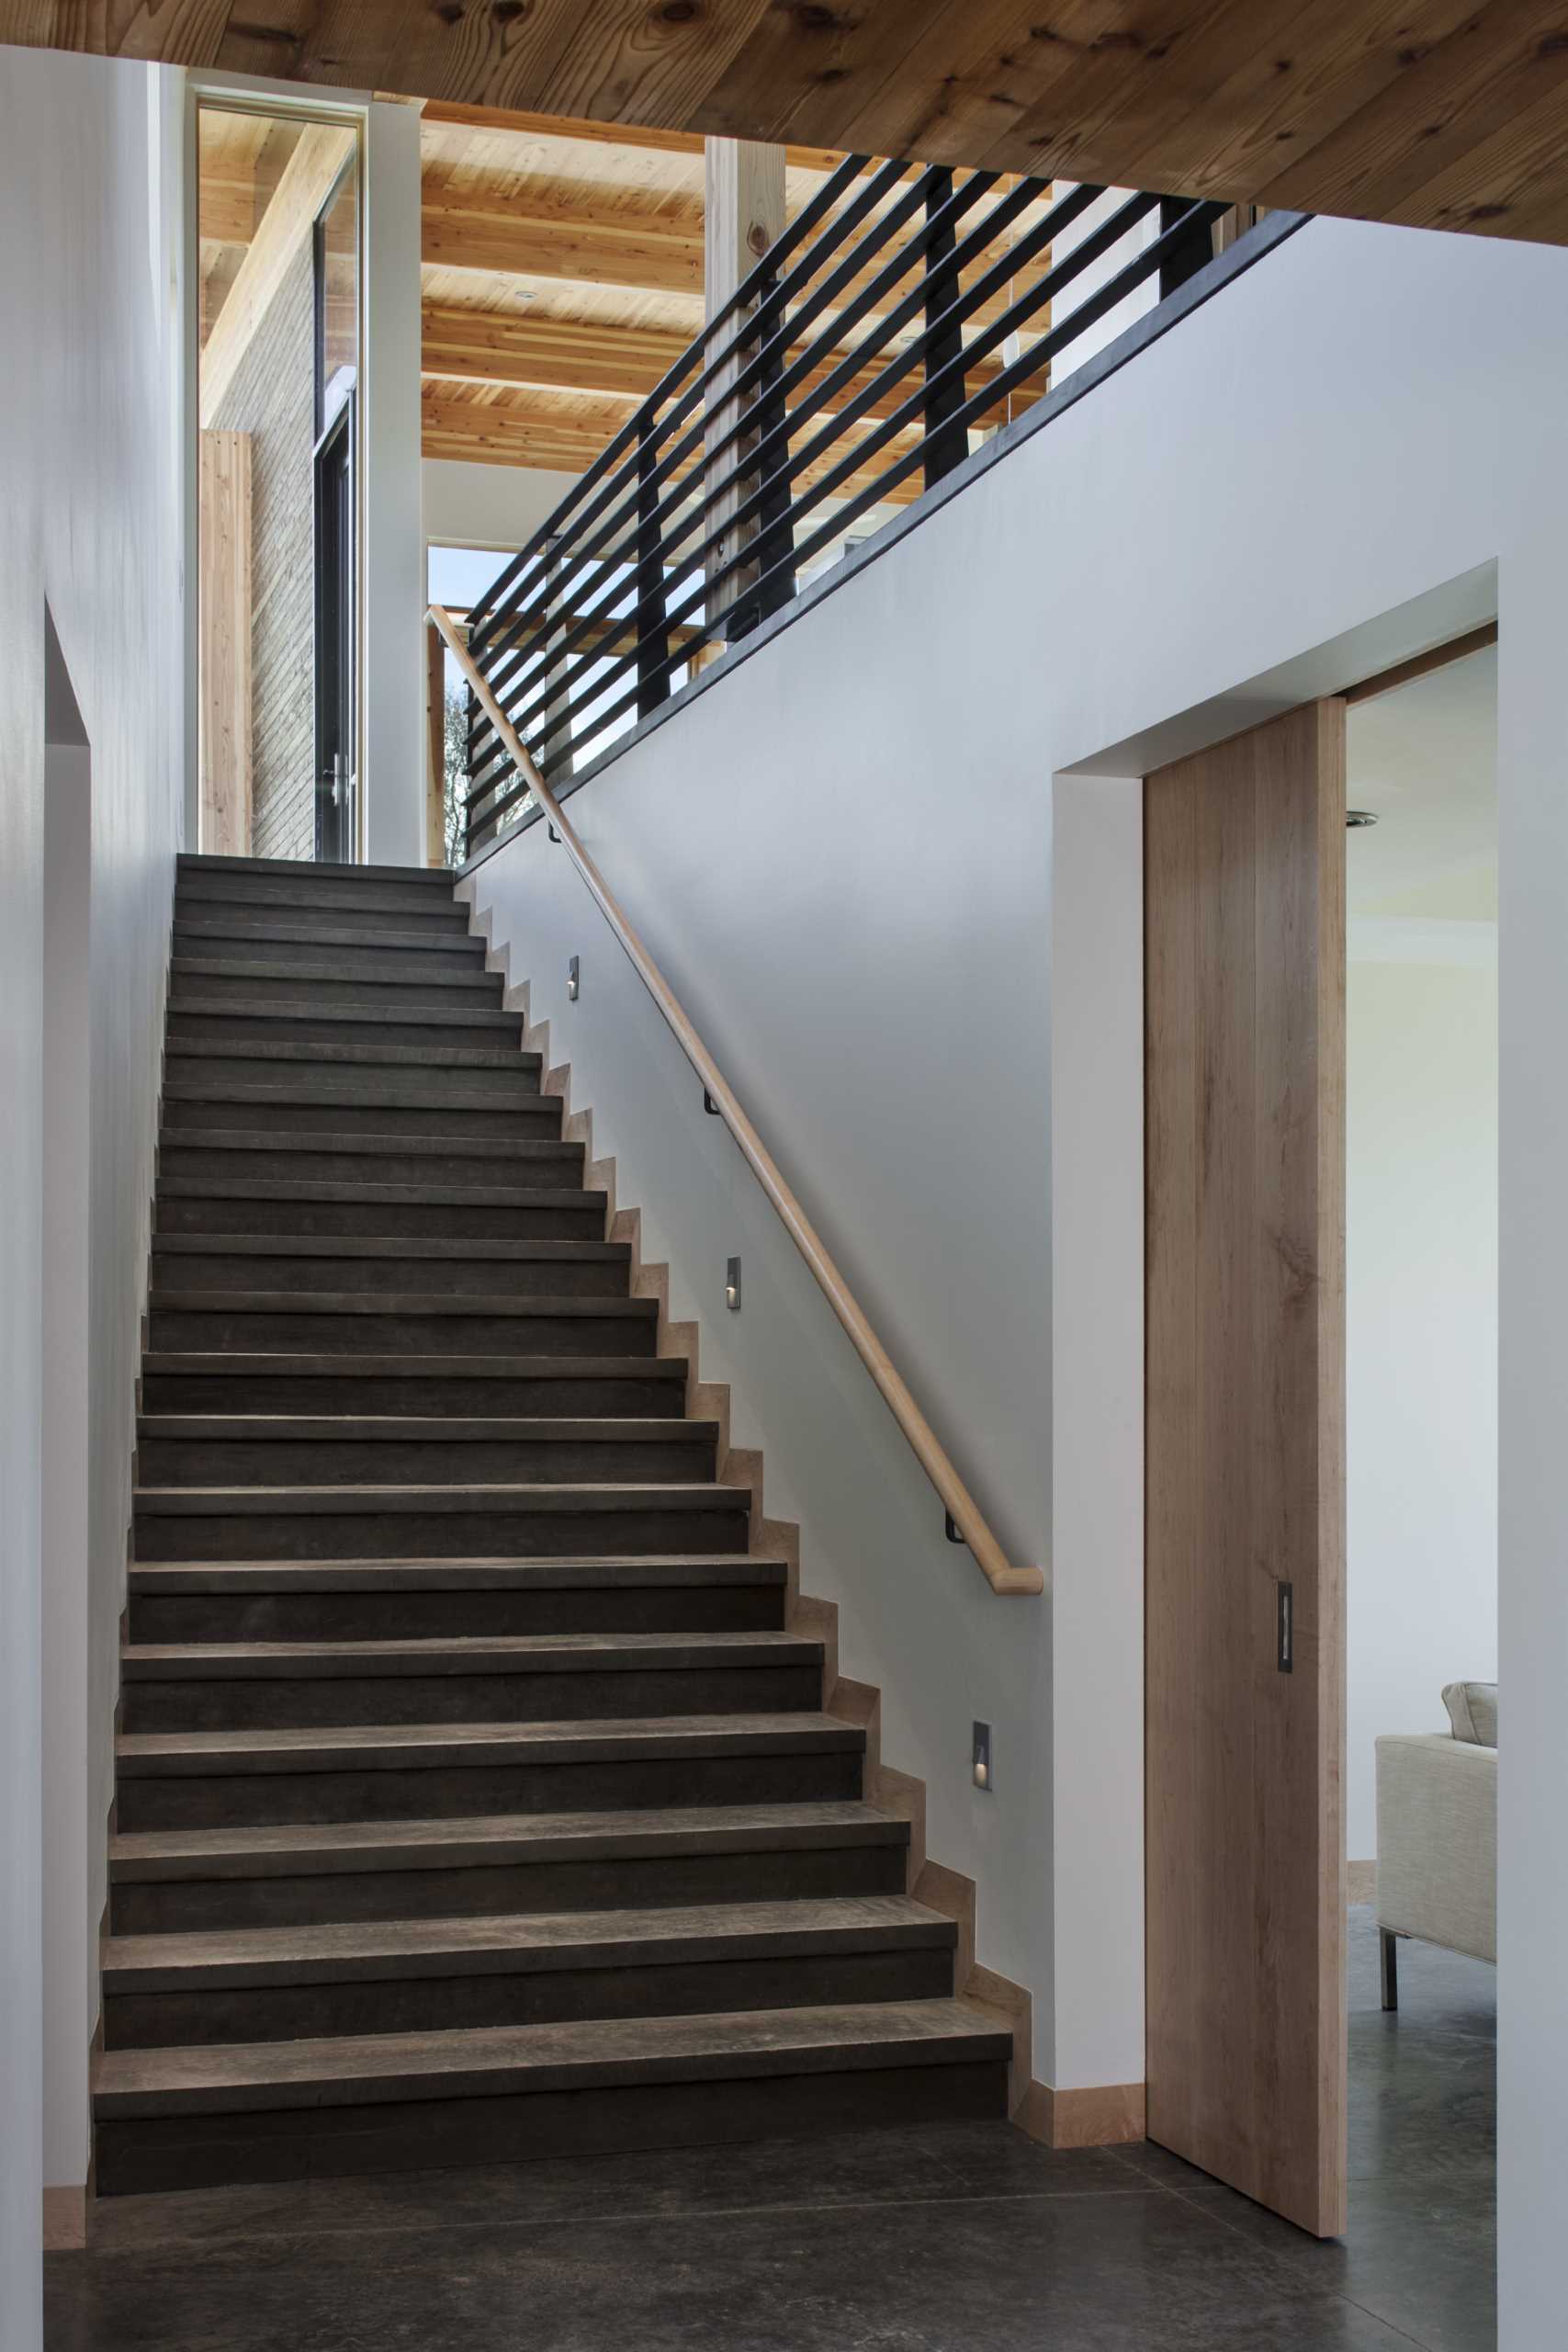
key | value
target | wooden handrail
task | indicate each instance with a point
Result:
(956, 1499)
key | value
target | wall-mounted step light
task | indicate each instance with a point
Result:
(571, 980)
(981, 1754)
(732, 1286)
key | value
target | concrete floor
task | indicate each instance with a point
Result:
(966, 2238)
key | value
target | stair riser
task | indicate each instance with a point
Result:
(526, 1118)
(168, 2153)
(175, 1330)
(336, 980)
(467, 1277)
(411, 1085)
(431, 1616)
(621, 1398)
(513, 1534)
(454, 2003)
(442, 1792)
(306, 1462)
(412, 1220)
(241, 940)
(639, 1882)
(547, 1164)
(333, 1025)
(313, 1703)
(373, 905)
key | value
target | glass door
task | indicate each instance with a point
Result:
(337, 377)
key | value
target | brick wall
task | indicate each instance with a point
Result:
(273, 398)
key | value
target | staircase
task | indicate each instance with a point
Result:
(474, 1801)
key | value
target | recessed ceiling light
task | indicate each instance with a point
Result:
(1356, 818)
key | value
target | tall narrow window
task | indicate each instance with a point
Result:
(337, 380)
(278, 295)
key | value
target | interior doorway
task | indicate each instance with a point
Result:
(1321, 1404)
(279, 216)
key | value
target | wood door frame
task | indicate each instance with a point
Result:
(1244, 1495)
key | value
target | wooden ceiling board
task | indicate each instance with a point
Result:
(1326, 106)
(1089, 100)
(621, 362)
(1491, 71)
(1237, 131)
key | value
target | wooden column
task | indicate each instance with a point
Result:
(744, 217)
(224, 608)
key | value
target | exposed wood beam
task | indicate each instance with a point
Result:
(547, 355)
(605, 134)
(634, 253)
(306, 182)
(589, 249)
(526, 353)
(228, 211)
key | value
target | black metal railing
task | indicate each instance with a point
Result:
(901, 309)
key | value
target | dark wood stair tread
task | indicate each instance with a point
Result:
(477, 1575)
(184, 966)
(323, 1006)
(356, 1143)
(406, 1248)
(490, 1840)
(297, 1081)
(322, 1054)
(342, 1951)
(207, 1502)
(457, 1429)
(170, 1361)
(439, 879)
(461, 1654)
(492, 2060)
(205, 919)
(322, 1187)
(398, 1302)
(395, 1747)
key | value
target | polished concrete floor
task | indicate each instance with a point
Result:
(966, 2238)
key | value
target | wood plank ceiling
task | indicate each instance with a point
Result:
(561, 269)
(563, 276)
(1438, 113)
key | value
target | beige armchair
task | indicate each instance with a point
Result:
(1437, 1833)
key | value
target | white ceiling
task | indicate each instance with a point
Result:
(1424, 759)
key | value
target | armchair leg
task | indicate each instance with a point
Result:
(1388, 1943)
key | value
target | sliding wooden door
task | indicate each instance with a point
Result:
(1244, 1078)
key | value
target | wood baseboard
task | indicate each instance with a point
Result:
(1104, 2116)
(1360, 1882)
(64, 2220)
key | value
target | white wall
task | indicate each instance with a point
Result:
(841, 853)
(90, 428)
(488, 506)
(1421, 1332)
